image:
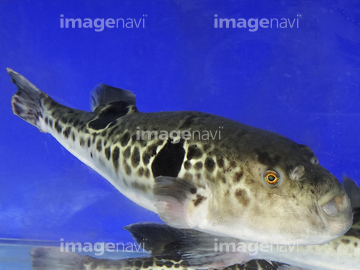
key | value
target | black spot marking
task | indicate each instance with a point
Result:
(115, 158)
(232, 164)
(127, 152)
(88, 142)
(187, 165)
(198, 165)
(91, 154)
(193, 190)
(73, 136)
(220, 161)
(345, 241)
(206, 147)
(125, 139)
(107, 152)
(81, 141)
(66, 132)
(238, 176)
(267, 159)
(99, 145)
(143, 143)
(150, 152)
(147, 173)
(194, 152)
(50, 122)
(46, 120)
(76, 122)
(209, 164)
(133, 138)
(64, 119)
(135, 157)
(242, 196)
(169, 160)
(58, 127)
(146, 158)
(168, 264)
(198, 200)
(140, 171)
(127, 168)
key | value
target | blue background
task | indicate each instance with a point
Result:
(302, 83)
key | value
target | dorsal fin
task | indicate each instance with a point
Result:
(104, 94)
(110, 103)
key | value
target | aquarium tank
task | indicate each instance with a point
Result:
(291, 67)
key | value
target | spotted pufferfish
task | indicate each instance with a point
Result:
(250, 184)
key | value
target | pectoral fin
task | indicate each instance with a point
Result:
(180, 203)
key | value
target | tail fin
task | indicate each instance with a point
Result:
(46, 258)
(26, 103)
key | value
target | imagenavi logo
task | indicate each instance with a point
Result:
(253, 24)
(99, 24)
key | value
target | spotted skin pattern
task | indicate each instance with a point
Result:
(45, 258)
(227, 169)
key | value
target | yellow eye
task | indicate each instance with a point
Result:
(271, 178)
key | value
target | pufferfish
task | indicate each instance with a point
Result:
(248, 183)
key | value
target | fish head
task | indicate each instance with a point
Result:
(292, 198)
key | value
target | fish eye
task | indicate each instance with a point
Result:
(314, 160)
(271, 178)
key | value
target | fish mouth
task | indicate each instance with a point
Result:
(332, 204)
(334, 211)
